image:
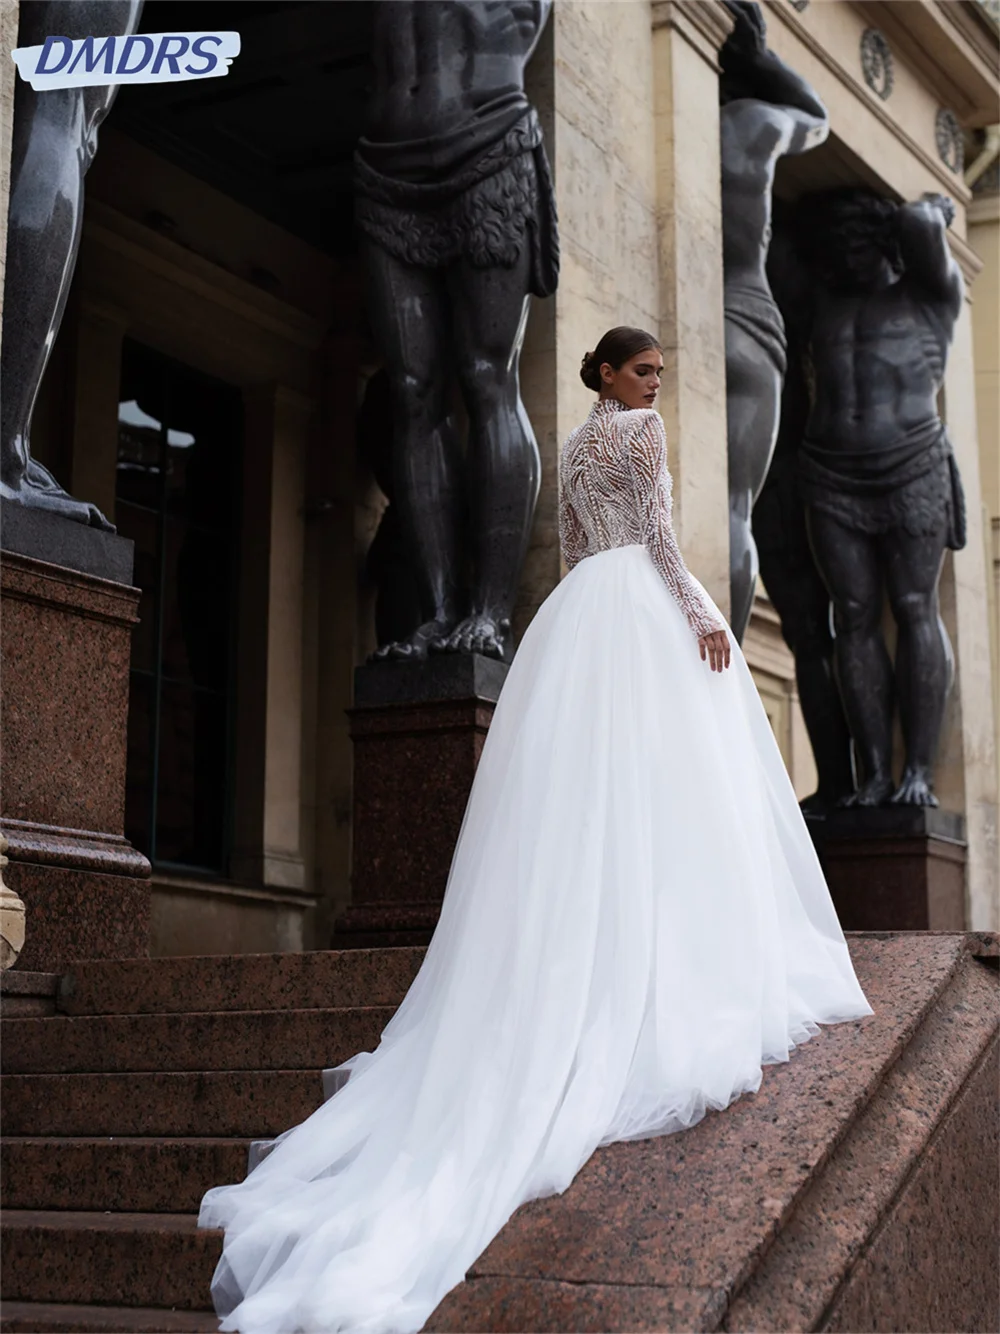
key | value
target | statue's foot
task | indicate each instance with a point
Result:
(821, 802)
(40, 490)
(914, 790)
(876, 792)
(477, 633)
(414, 647)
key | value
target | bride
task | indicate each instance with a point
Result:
(634, 922)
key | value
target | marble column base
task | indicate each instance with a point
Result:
(418, 731)
(894, 868)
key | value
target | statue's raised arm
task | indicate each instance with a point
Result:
(929, 265)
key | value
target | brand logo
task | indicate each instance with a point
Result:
(160, 57)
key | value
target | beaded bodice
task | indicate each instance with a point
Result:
(615, 490)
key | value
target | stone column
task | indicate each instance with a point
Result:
(687, 35)
(967, 765)
(268, 822)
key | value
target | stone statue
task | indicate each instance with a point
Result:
(876, 470)
(767, 111)
(387, 565)
(787, 565)
(54, 142)
(455, 205)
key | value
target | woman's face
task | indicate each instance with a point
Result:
(636, 382)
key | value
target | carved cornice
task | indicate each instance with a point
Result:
(952, 55)
(853, 81)
(704, 24)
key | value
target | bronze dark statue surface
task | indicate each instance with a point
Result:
(456, 208)
(787, 565)
(877, 475)
(767, 111)
(54, 142)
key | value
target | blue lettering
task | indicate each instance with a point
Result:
(165, 54)
(209, 56)
(147, 44)
(90, 58)
(41, 67)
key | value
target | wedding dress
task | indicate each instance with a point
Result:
(635, 921)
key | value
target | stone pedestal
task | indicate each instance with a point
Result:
(418, 731)
(67, 616)
(898, 868)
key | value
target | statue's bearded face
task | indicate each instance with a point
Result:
(855, 242)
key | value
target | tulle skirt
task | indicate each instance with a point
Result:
(635, 921)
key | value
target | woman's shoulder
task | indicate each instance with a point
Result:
(639, 425)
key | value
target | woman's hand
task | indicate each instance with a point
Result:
(715, 647)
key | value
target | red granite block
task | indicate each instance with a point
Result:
(242, 1040)
(541, 1306)
(114, 1259)
(321, 979)
(64, 695)
(934, 1264)
(116, 1172)
(250, 1104)
(846, 1203)
(74, 914)
(405, 826)
(62, 1318)
(24, 993)
(64, 687)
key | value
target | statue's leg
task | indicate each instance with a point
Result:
(490, 312)
(801, 600)
(54, 140)
(753, 401)
(410, 317)
(923, 655)
(849, 564)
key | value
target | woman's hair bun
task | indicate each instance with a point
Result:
(590, 372)
(616, 347)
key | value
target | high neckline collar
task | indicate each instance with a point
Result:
(605, 407)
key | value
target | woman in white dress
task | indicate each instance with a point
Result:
(634, 922)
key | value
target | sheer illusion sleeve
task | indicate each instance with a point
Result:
(572, 534)
(647, 454)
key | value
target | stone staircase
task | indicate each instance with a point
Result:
(848, 1194)
(142, 1087)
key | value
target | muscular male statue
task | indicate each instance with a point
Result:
(787, 564)
(455, 203)
(54, 142)
(876, 470)
(767, 111)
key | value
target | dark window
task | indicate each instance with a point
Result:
(178, 482)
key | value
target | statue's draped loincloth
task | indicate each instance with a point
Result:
(757, 314)
(476, 192)
(913, 484)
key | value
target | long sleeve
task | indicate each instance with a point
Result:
(572, 534)
(653, 486)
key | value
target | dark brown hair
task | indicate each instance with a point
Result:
(616, 347)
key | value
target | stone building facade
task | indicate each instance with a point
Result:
(186, 277)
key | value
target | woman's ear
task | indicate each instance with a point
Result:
(607, 372)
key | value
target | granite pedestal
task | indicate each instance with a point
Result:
(418, 731)
(897, 868)
(67, 616)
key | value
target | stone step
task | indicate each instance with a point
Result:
(58, 1318)
(107, 1259)
(241, 1040)
(119, 1173)
(246, 1104)
(321, 979)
